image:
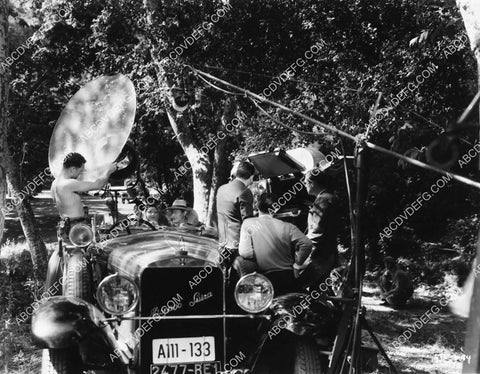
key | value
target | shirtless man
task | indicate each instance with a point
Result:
(66, 189)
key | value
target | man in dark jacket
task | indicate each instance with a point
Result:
(234, 204)
(323, 222)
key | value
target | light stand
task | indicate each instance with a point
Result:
(348, 341)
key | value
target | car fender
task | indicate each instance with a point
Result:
(301, 314)
(62, 322)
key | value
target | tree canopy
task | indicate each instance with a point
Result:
(364, 49)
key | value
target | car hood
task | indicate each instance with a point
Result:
(130, 255)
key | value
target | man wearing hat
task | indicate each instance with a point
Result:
(323, 226)
(180, 215)
(395, 284)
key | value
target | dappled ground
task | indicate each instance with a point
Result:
(436, 347)
(433, 347)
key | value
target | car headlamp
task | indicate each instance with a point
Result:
(254, 293)
(81, 235)
(117, 295)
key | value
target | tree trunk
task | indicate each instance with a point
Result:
(205, 173)
(470, 11)
(3, 110)
(201, 167)
(219, 177)
(30, 228)
(198, 162)
(34, 239)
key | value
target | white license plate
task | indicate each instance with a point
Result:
(190, 368)
(182, 350)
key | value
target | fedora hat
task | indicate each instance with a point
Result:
(179, 204)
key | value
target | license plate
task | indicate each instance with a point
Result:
(183, 350)
(196, 368)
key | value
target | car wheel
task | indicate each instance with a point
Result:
(307, 359)
(76, 283)
(77, 277)
(290, 355)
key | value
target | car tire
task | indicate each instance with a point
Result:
(291, 355)
(307, 358)
(76, 283)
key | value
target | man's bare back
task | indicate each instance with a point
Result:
(68, 202)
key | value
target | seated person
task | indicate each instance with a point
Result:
(277, 248)
(155, 216)
(395, 285)
(192, 218)
(179, 215)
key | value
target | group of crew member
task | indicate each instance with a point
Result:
(279, 250)
(290, 259)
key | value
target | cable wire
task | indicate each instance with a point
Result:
(371, 145)
(270, 76)
(218, 88)
(278, 122)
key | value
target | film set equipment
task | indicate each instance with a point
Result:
(346, 353)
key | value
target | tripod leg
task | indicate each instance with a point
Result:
(341, 341)
(377, 342)
(345, 361)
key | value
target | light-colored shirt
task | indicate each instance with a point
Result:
(273, 243)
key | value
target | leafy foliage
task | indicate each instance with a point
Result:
(367, 49)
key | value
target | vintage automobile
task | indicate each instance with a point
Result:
(161, 301)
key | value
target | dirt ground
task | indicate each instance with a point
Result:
(435, 346)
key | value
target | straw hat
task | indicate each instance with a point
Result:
(179, 204)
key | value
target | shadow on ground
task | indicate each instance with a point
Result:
(429, 344)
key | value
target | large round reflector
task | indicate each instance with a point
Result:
(96, 123)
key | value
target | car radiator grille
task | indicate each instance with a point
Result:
(178, 292)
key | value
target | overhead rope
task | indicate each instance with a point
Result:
(218, 88)
(280, 123)
(251, 73)
(333, 129)
(398, 107)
